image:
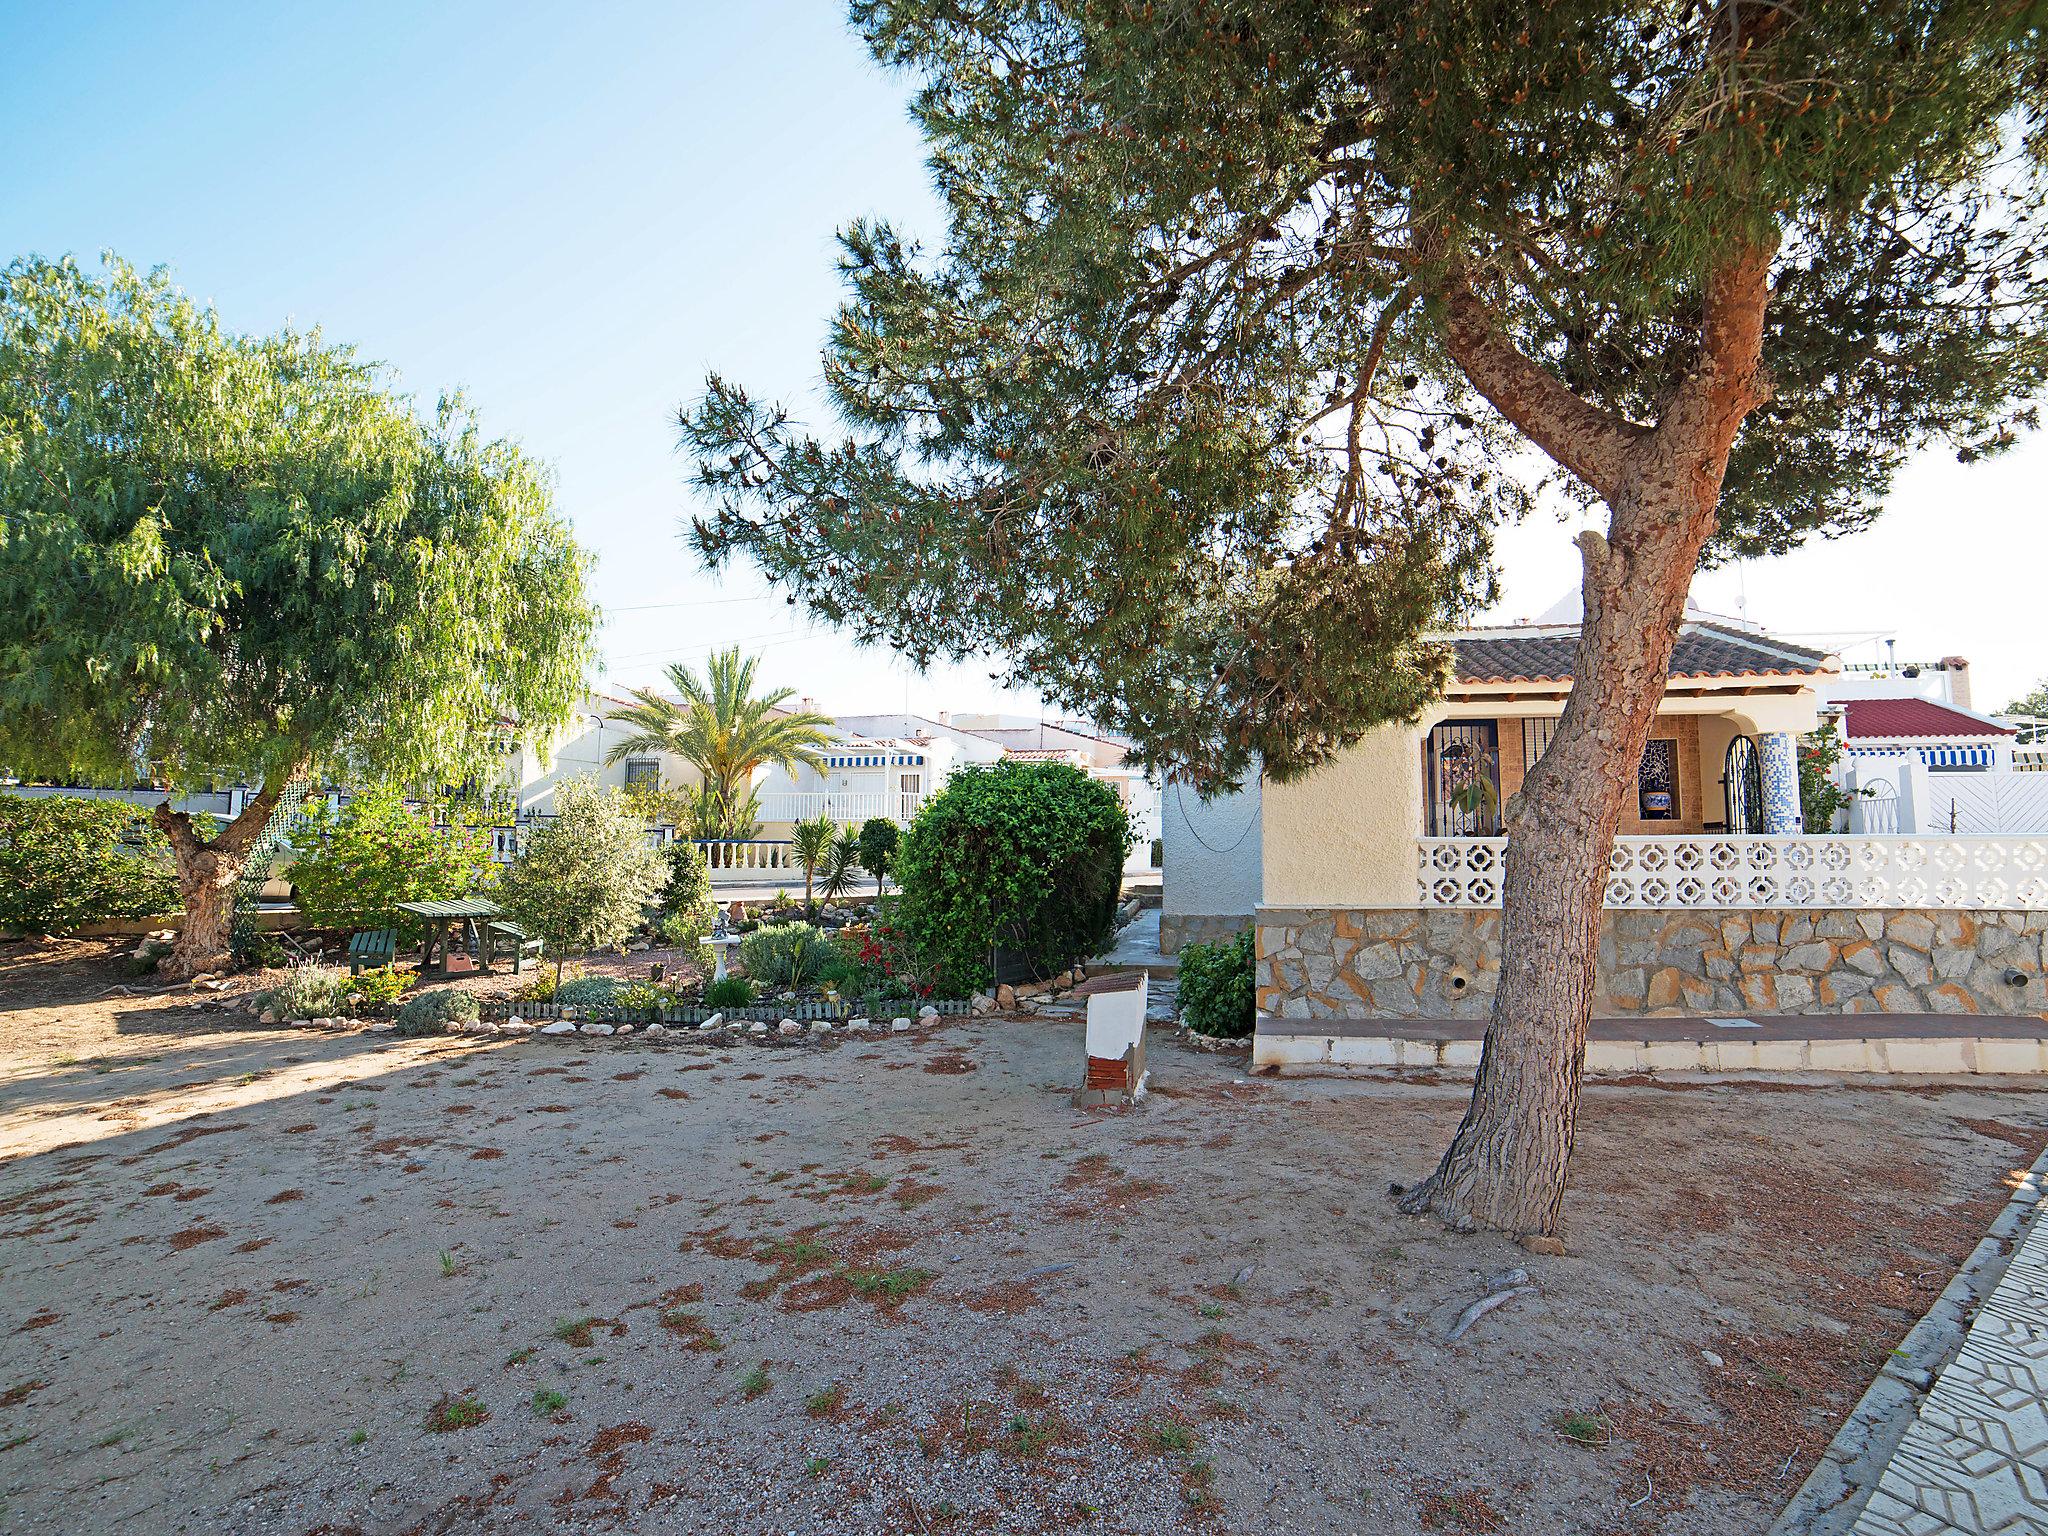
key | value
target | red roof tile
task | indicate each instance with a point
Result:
(1894, 719)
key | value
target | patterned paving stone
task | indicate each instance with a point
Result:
(1975, 1461)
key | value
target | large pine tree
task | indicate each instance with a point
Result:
(1204, 411)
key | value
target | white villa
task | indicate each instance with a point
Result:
(878, 765)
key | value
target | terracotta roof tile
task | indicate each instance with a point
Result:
(1894, 719)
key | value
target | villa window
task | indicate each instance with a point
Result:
(1657, 781)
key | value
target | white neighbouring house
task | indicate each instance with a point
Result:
(884, 765)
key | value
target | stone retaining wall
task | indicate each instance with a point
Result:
(1337, 963)
(1179, 928)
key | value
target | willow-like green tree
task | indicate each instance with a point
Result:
(1246, 316)
(244, 559)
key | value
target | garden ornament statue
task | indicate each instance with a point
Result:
(722, 942)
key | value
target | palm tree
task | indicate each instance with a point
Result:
(720, 728)
(811, 845)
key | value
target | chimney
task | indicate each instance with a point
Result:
(945, 717)
(1958, 670)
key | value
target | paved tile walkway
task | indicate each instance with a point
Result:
(1975, 1460)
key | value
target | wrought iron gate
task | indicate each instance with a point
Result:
(1742, 786)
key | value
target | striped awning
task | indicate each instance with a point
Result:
(878, 760)
(1932, 756)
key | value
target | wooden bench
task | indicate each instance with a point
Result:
(509, 941)
(373, 947)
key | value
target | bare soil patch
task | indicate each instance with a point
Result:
(271, 1281)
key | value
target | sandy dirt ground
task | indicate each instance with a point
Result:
(264, 1280)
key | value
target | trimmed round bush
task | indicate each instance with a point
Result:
(1024, 856)
(588, 992)
(428, 1013)
(1217, 997)
(786, 954)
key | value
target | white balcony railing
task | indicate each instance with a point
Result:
(850, 806)
(1710, 871)
(724, 858)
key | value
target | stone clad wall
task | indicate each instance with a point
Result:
(1178, 929)
(1337, 963)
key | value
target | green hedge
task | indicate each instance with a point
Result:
(1022, 855)
(67, 861)
(1216, 993)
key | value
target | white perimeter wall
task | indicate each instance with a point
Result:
(1212, 864)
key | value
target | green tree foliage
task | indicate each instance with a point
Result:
(724, 731)
(1027, 856)
(1216, 991)
(353, 866)
(687, 907)
(2033, 706)
(67, 861)
(241, 557)
(582, 879)
(1204, 409)
(1178, 416)
(879, 838)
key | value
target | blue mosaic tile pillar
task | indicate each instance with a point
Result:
(1777, 754)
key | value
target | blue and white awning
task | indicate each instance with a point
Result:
(878, 760)
(1932, 756)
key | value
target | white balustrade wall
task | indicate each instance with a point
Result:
(1752, 872)
(841, 805)
(726, 859)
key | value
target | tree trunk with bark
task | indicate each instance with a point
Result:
(208, 873)
(1507, 1166)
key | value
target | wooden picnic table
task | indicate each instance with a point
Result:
(439, 916)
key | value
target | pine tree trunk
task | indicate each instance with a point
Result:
(208, 873)
(1506, 1168)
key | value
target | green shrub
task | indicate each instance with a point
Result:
(352, 867)
(311, 992)
(729, 992)
(879, 839)
(373, 989)
(66, 861)
(687, 910)
(582, 879)
(785, 954)
(428, 1013)
(1216, 992)
(1027, 856)
(589, 992)
(643, 994)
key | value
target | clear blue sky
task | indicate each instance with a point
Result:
(573, 212)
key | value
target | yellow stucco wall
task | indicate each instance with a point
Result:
(1345, 835)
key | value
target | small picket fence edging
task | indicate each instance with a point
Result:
(498, 1011)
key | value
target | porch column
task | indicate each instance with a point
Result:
(1777, 754)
